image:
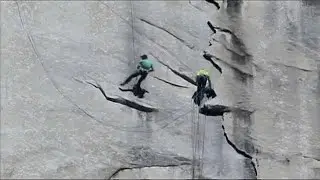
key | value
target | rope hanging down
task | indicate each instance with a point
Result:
(193, 137)
(198, 141)
(132, 26)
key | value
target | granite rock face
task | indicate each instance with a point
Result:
(57, 123)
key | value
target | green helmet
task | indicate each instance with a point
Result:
(203, 72)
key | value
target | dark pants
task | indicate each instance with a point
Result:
(143, 75)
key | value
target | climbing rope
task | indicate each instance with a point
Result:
(203, 144)
(195, 143)
(198, 140)
(132, 26)
(198, 144)
(193, 138)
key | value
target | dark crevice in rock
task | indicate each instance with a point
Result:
(208, 58)
(173, 84)
(214, 3)
(140, 167)
(243, 153)
(294, 67)
(175, 36)
(219, 110)
(236, 40)
(195, 6)
(230, 50)
(183, 76)
(317, 159)
(242, 74)
(211, 27)
(124, 101)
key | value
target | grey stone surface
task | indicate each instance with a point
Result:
(55, 126)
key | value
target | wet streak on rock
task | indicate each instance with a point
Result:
(173, 84)
(246, 57)
(317, 125)
(242, 123)
(242, 77)
(242, 120)
(318, 86)
(243, 61)
(167, 31)
(124, 101)
(234, 7)
(243, 117)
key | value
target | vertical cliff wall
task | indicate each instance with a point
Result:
(57, 123)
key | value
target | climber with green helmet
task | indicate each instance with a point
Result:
(143, 68)
(201, 79)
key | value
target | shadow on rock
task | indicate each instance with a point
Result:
(123, 101)
(136, 90)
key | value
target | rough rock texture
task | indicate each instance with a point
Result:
(54, 124)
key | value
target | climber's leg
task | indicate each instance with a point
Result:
(143, 76)
(135, 74)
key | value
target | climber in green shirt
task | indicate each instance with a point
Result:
(143, 68)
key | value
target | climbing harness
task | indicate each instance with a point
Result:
(204, 125)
